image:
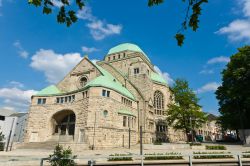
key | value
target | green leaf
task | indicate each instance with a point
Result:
(180, 39)
(47, 10)
(154, 2)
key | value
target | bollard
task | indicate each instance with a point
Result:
(141, 160)
(190, 160)
(239, 160)
(91, 162)
(41, 163)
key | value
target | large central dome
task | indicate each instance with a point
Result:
(127, 46)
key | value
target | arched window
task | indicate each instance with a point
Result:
(83, 81)
(158, 103)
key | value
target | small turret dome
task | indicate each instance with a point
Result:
(127, 46)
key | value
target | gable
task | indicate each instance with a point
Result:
(72, 81)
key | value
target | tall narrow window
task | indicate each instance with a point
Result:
(108, 93)
(108, 58)
(158, 103)
(124, 121)
(103, 92)
(113, 57)
(136, 71)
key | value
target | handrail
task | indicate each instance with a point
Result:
(91, 160)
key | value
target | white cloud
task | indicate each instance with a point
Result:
(22, 53)
(16, 84)
(212, 86)
(55, 66)
(95, 60)
(15, 98)
(86, 14)
(99, 29)
(57, 3)
(89, 49)
(239, 29)
(1, 3)
(246, 8)
(165, 75)
(207, 71)
(220, 59)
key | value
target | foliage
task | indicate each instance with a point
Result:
(195, 144)
(1, 143)
(234, 93)
(212, 155)
(120, 157)
(216, 147)
(157, 142)
(67, 12)
(162, 156)
(184, 113)
(62, 157)
(1, 136)
(64, 16)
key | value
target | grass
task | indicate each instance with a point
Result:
(120, 157)
(216, 147)
(212, 155)
(163, 156)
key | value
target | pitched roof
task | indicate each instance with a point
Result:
(108, 81)
(6, 112)
(50, 90)
(105, 80)
(126, 112)
(19, 114)
(127, 46)
(158, 78)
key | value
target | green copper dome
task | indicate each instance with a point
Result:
(127, 46)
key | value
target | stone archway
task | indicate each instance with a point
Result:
(64, 124)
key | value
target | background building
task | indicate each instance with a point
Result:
(12, 125)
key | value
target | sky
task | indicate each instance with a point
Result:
(36, 51)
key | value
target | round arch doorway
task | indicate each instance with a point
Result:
(64, 123)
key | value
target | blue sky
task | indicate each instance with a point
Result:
(36, 51)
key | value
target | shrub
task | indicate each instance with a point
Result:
(62, 157)
(1, 143)
(216, 147)
(120, 157)
(195, 144)
(246, 155)
(1, 146)
(212, 155)
(162, 156)
(157, 143)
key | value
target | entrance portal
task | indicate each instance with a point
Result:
(64, 123)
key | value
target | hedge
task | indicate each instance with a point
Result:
(212, 155)
(120, 157)
(216, 147)
(162, 156)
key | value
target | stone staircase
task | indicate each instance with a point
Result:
(49, 144)
(38, 145)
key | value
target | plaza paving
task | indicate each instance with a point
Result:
(33, 156)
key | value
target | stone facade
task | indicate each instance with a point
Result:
(103, 105)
